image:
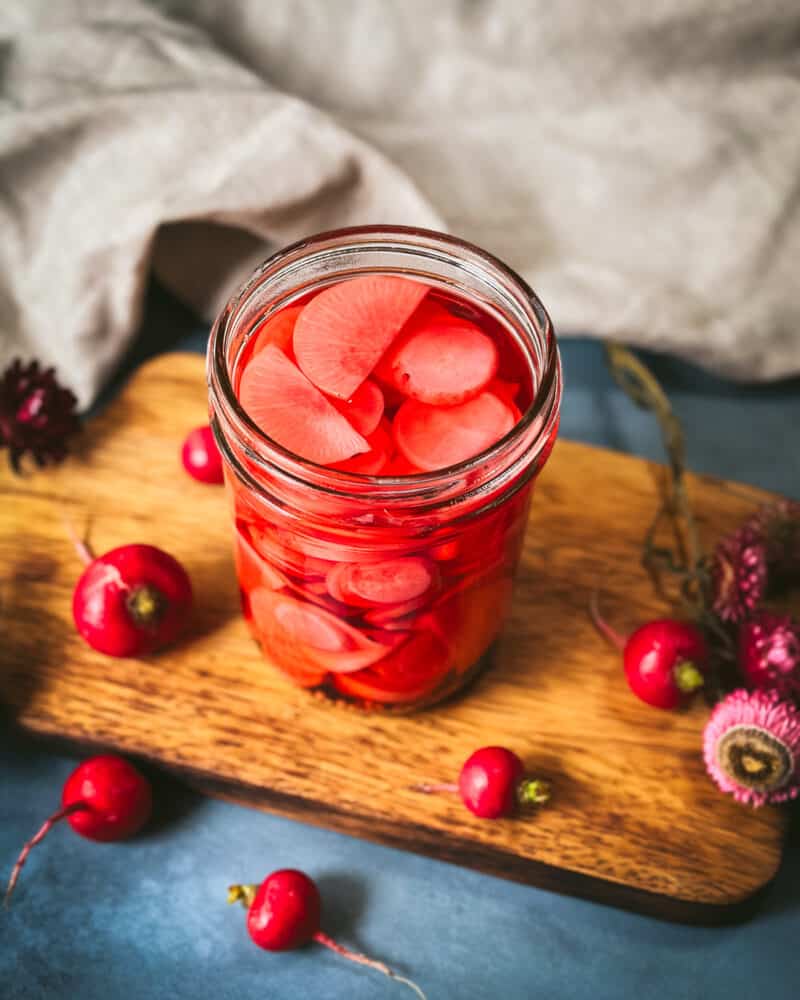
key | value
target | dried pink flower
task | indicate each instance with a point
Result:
(739, 574)
(778, 524)
(769, 653)
(751, 746)
(37, 415)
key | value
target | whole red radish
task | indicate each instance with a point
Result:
(132, 600)
(200, 456)
(492, 783)
(104, 799)
(665, 660)
(284, 913)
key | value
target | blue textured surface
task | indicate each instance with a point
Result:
(148, 920)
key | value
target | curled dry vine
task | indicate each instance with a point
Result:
(686, 561)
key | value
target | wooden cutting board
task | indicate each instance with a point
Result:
(633, 821)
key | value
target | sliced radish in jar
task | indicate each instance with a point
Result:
(278, 330)
(323, 552)
(280, 645)
(470, 619)
(394, 581)
(251, 569)
(350, 660)
(374, 461)
(440, 359)
(434, 437)
(396, 615)
(309, 626)
(286, 406)
(281, 547)
(410, 671)
(388, 638)
(506, 391)
(364, 408)
(343, 331)
(446, 551)
(305, 622)
(337, 608)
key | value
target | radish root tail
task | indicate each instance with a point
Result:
(435, 788)
(359, 959)
(602, 626)
(38, 837)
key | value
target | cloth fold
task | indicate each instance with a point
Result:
(638, 164)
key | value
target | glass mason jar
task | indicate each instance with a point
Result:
(298, 526)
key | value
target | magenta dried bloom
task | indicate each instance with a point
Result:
(751, 746)
(37, 415)
(739, 574)
(769, 653)
(779, 525)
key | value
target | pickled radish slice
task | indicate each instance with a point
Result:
(433, 437)
(374, 461)
(342, 332)
(470, 619)
(507, 391)
(292, 411)
(441, 360)
(446, 551)
(350, 660)
(281, 610)
(395, 581)
(337, 608)
(251, 569)
(278, 330)
(364, 408)
(279, 645)
(388, 638)
(304, 622)
(278, 547)
(396, 616)
(412, 670)
(332, 581)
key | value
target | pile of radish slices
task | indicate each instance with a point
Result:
(375, 375)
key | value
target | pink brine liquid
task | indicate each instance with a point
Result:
(384, 377)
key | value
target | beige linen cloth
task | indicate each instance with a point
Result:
(639, 163)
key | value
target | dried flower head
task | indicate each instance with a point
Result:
(751, 746)
(778, 524)
(37, 415)
(769, 653)
(739, 574)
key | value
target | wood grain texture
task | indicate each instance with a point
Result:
(634, 820)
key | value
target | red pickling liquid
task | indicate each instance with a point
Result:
(390, 623)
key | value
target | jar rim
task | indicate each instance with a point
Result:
(544, 403)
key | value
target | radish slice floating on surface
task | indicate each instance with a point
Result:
(374, 461)
(364, 408)
(440, 359)
(292, 411)
(342, 332)
(434, 437)
(278, 330)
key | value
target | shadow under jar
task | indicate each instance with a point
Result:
(385, 591)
